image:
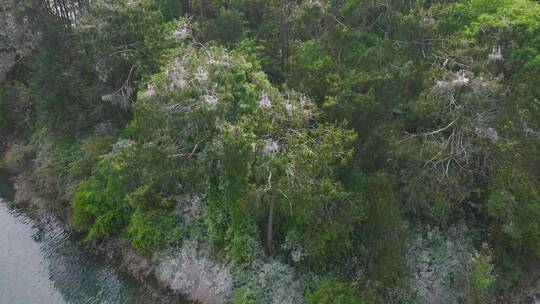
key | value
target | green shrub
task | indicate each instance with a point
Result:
(99, 203)
(152, 231)
(83, 197)
(101, 211)
(333, 291)
(481, 278)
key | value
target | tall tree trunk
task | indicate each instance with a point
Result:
(55, 8)
(65, 12)
(203, 7)
(47, 6)
(285, 33)
(269, 228)
(186, 8)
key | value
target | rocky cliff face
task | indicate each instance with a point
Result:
(18, 34)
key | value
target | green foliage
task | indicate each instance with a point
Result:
(384, 234)
(99, 203)
(500, 35)
(7, 104)
(244, 118)
(152, 231)
(103, 213)
(60, 86)
(170, 9)
(514, 208)
(227, 28)
(126, 42)
(481, 278)
(332, 291)
(316, 133)
(112, 203)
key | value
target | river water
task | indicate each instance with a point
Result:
(42, 264)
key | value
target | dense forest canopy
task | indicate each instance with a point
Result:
(345, 151)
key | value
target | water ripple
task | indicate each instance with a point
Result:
(43, 265)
